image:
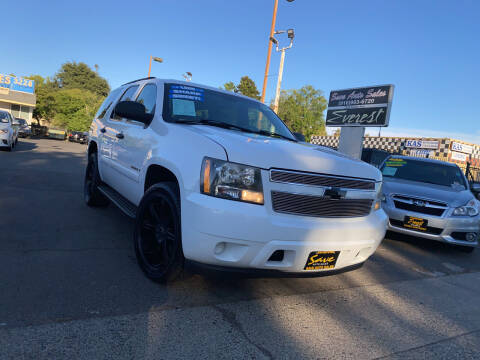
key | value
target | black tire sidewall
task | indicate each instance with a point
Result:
(167, 191)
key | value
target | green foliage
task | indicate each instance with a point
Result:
(302, 110)
(72, 98)
(75, 108)
(74, 75)
(230, 86)
(246, 87)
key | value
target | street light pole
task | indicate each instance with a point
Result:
(279, 82)
(291, 35)
(154, 58)
(269, 53)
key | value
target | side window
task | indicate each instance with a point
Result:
(106, 104)
(127, 95)
(148, 97)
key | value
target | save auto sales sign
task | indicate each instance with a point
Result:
(365, 106)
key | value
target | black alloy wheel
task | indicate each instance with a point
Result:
(91, 194)
(157, 236)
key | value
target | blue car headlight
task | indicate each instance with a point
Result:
(470, 209)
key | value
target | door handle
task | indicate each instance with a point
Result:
(102, 130)
(120, 135)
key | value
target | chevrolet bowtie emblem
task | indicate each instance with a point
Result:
(334, 193)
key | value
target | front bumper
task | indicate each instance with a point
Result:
(4, 140)
(446, 227)
(239, 235)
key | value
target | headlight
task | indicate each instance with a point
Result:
(231, 181)
(379, 197)
(3, 131)
(471, 209)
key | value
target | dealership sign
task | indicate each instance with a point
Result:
(13, 83)
(464, 148)
(365, 106)
(459, 156)
(421, 144)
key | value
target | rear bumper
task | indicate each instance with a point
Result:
(238, 235)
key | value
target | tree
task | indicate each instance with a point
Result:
(248, 88)
(230, 86)
(75, 108)
(302, 110)
(44, 90)
(73, 75)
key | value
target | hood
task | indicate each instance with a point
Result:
(452, 196)
(267, 152)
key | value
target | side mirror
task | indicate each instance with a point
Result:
(475, 188)
(133, 110)
(299, 136)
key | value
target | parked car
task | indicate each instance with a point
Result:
(55, 133)
(23, 128)
(374, 157)
(78, 136)
(8, 132)
(430, 199)
(217, 180)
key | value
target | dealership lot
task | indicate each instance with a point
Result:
(70, 287)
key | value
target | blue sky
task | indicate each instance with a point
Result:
(429, 49)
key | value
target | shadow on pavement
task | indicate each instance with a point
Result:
(61, 260)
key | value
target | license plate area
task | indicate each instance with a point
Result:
(415, 223)
(321, 260)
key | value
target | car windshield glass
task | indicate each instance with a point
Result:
(195, 105)
(22, 122)
(3, 118)
(423, 171)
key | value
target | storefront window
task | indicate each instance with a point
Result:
(15, 110)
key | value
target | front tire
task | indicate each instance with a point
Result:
(157, 236)
(93, 197)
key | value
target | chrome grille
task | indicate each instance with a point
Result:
(418, 205)
(319, 206)
(292, 177)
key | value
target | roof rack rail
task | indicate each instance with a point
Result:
(151, 77)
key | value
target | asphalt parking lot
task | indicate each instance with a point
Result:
(70, 288)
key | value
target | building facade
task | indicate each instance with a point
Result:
(446, 149)
(17, 96)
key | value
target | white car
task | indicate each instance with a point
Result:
(216, 179)
(8, 132)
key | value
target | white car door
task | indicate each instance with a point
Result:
(137, 141)
(111, 134)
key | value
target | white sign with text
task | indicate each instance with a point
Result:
(464, 148)
(421, 144)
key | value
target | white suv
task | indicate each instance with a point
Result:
(216, 179)
(8, 132)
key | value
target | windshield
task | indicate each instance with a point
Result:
(422, 171)
(21, 122)
(189, 104)
(3, 118)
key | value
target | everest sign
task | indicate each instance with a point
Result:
(366, 106)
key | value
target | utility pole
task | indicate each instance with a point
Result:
(269, 53)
